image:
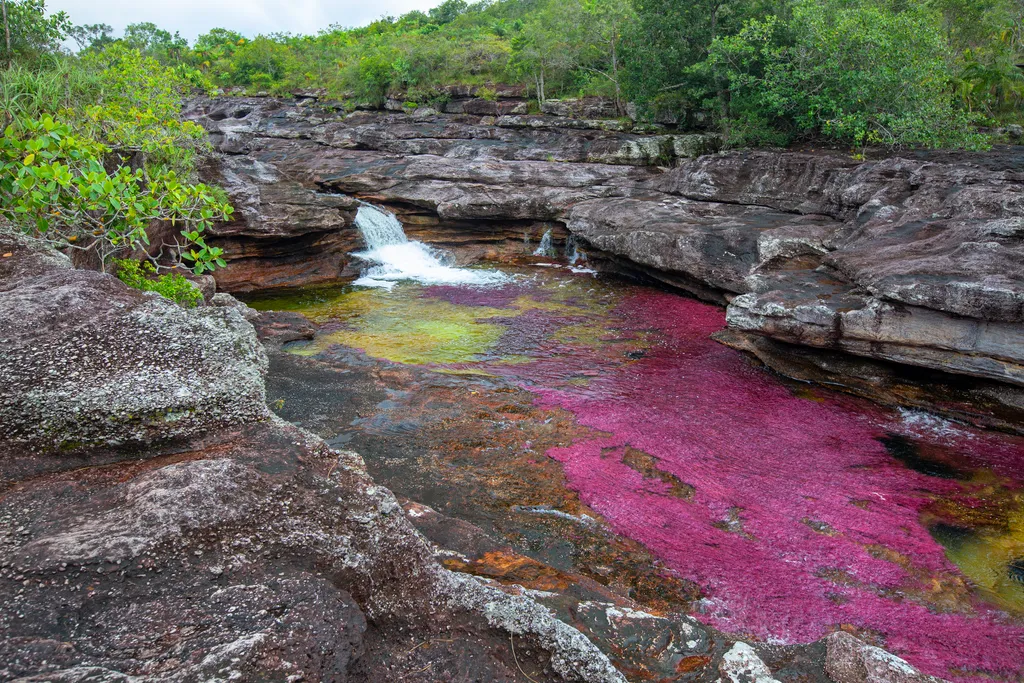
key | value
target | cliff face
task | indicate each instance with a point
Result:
(916, 267)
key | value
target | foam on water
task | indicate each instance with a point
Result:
(395, 258)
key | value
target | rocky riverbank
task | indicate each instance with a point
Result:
(900, 278)
(161, 524)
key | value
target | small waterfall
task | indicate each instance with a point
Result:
(395, 258)
(379, 228)
(573, 252)
(546, 248)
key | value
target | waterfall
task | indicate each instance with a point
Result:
(546, 248)
(573, 252)
(394, 258)
(379, 228)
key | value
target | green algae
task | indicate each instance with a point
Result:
(985, 556)
(412, 324)
(402, 327)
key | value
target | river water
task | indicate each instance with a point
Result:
(785, 511)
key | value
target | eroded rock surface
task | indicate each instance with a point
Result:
(89, 362)
(911, 260)
(224, 544)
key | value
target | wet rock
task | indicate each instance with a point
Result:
(1016, 569)
(850, 660)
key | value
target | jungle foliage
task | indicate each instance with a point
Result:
(94, 153)
(891, 72)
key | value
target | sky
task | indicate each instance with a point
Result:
(248, 17)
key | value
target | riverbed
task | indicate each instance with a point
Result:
(596, 426)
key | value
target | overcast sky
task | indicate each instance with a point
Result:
(249, 17)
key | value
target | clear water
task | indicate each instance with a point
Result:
(797, 511)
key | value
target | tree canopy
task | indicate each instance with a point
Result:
(857, 72)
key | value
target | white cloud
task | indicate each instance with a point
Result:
(248, 17)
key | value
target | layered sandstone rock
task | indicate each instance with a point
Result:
(902, 260)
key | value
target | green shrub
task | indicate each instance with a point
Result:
(857, 72)
(486, 93)
(174, 286)
(54, 185)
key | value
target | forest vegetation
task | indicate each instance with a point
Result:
(94, 149)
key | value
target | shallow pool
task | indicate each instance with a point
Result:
(796, 510)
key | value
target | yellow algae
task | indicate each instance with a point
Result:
(985, 557)
(409, 330)
(402, 325)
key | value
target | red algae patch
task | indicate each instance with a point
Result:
(801, 521)
(794, 510)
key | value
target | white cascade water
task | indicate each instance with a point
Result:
(395, 258)
(546, 248)
(379, 228)
(573, 253)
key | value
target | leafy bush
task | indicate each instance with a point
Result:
(54, 184)
(857, 72)
(174, 286)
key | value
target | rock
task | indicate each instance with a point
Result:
(850, 660)
(282, 232)
(742, 665)
(927, 250)
(799, 183)
(987, 403)
(705, 248)
(179, 555)
(696, 145)
(224, 544)
(90, 362)
(225, 300)
(814, 309)
(584, 108)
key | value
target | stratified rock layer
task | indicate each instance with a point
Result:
(902, 260)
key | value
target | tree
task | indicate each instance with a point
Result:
(854, 71)
(150, 39)
(447, 12)
(667, 49)
(549, 45)
(609, 20)
(29, 31)
(92, 36)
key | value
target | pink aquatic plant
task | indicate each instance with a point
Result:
(800, 521)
